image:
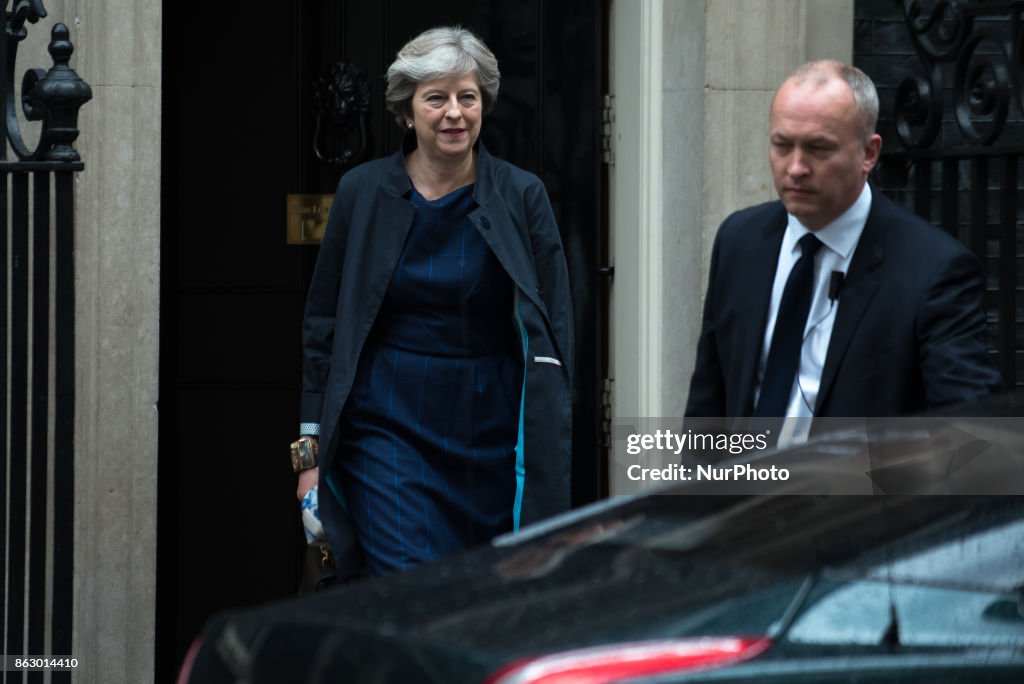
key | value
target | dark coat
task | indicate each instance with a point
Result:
(909, 333)
(366, 230)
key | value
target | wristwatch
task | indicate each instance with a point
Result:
(304, 453)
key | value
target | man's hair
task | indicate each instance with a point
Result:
(865, 97)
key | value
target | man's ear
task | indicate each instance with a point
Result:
(872, 149)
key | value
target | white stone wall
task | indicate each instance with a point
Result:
(117, 257)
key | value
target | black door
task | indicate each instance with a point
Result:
(239, 125)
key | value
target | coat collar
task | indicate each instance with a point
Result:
(859, 288)
(396, 181)
(507, 238)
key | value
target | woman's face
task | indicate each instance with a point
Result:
(446, 115)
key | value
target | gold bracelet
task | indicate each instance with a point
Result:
(304, 453)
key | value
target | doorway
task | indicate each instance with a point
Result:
(238, 138)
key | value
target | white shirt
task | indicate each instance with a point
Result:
(839, 240)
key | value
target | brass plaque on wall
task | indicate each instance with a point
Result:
(307, 218)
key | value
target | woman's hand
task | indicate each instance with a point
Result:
(307, 480)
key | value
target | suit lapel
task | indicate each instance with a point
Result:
(753, 310)
(501, 236)
(859, 288)
(494, 222)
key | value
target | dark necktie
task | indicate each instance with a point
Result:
(788, 335)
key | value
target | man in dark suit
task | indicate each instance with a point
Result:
(833, 301)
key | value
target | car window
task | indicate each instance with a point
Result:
(860, 613)
(992, 558)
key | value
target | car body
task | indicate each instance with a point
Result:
(679, 586)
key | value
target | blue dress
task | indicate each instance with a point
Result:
(427, 438)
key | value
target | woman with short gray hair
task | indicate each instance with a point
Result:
(436, 53)
(438, 341)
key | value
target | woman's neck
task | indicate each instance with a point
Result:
(434, 178)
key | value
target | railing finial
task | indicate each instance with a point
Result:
(54, 97)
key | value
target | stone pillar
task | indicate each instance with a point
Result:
(723, 61)
(717, 64)
(687, 54)
(752, 46)
(117, 258)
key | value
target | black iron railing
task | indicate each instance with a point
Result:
(37, 333)
(958, 116)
